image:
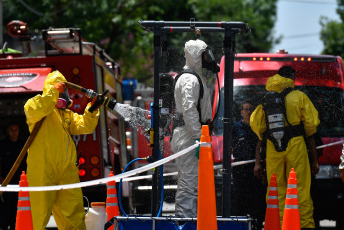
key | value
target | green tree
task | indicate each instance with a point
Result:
(332, 33)
(260, 15)
(113, 24)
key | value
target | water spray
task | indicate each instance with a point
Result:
(133, 115)
(111, 103)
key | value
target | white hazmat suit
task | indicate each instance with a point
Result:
(186, 95)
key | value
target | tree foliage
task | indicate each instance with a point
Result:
(113, 24)
(332, 33)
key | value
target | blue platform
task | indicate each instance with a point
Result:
(171, 223)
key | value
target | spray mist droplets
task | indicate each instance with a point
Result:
(135, 117)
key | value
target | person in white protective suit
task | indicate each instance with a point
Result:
(187, 95)
(52, 155)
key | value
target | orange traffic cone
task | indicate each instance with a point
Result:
(291, 216)
(111, 201)
(24, 216)
(206, 210)
(272, 215)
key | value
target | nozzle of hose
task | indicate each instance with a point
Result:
(100, 100)
(89, 93)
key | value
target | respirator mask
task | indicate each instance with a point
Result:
(208, 61)
(64, 101)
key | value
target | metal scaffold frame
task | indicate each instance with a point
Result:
(230, 29)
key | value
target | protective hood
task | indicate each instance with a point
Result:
(52, 79)
(193, 55)
(277, 83)
(63, 101)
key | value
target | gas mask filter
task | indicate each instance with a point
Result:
(64, 101)
(208, 61)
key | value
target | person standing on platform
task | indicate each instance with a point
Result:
(192, 110)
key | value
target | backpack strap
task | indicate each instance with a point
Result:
(201, 89)
(284, 93)
(190, 71)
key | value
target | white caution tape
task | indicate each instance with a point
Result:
(236, 163)
(147, 177)
(125, 176)
(103, 180)
(330, 144)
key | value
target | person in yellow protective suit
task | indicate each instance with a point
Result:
(299, 111)
(52, 155)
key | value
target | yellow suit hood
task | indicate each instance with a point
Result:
(52, 79)
(277, 83)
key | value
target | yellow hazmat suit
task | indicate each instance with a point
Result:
(299, 109)
(52, 157)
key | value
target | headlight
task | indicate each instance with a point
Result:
(328, 171)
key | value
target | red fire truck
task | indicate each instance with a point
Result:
(321, 78)
(22, 76)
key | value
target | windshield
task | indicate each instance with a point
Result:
(327, 100)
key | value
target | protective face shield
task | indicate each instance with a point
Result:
(208, 61)
(64, 101)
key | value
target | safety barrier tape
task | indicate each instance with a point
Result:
(330, 144)
(170, 218)
(127, 179)
(103, 180)
(236, 163)
(126, 176)
(176, 173)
